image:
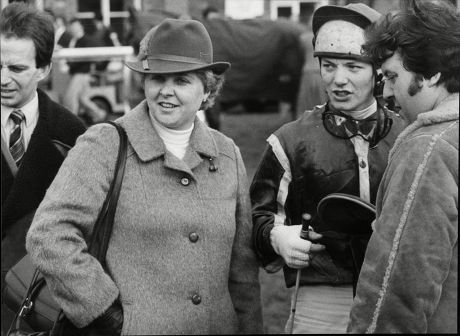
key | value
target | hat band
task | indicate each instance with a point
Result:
(175, 58)
(360, 58)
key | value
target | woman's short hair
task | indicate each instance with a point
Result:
(23, 21)
(426, 34)
(212, 83)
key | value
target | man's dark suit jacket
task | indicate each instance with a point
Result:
(22, 194)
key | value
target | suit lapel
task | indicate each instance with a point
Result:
(40, 164)
(8, 159)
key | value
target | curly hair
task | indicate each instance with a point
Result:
(212, 83)
(19, 20)
(426, 34)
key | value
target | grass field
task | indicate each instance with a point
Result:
(250, 131)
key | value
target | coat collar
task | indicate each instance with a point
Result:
(447, 111)
(148, 145)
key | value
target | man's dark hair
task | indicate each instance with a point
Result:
(426, 34)
(19, 20)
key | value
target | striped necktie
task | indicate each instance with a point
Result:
(16, 139)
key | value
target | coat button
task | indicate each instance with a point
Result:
(196, 299)
(362, 164)
(193, 237)
(185, 181)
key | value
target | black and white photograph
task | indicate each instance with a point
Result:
(205, 167)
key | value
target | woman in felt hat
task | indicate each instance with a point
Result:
(180, 256)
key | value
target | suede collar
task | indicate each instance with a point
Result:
(447, 111)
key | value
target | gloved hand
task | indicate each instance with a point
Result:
(109, 323)
(294, 250)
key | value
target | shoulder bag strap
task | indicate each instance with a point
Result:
(103, 227)
(101, 232)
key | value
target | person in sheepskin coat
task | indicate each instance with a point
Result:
(408, 282)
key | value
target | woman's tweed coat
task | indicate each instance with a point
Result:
(168, 282)
(408, 281)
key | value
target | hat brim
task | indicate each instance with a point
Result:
(346, 213)
(158, 66)
(327, 13)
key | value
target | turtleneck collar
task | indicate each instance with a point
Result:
(364, 113)
(176, 141)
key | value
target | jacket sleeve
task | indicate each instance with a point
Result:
(64, 221)
(244, 284)
(268, 194)
(411, 250)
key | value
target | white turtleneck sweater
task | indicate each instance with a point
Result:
(363, 114)
(175, 141)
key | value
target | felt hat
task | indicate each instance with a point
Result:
(176, 46)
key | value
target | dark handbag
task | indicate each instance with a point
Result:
(25, 289)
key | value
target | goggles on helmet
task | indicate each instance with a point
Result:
(343, 126)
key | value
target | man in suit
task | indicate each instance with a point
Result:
(36, 131)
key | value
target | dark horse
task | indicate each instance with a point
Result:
(266, 56)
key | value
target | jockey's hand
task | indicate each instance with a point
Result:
(294, 250)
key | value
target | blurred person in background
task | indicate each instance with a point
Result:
(101, 36)
(291, 61)
(36, 131)
(311, 91)
(409, 279)
(76, 95)
(106, 35)
(338, 147)
(62, 36)
(180, 256)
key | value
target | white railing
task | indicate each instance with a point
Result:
(94, 54)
